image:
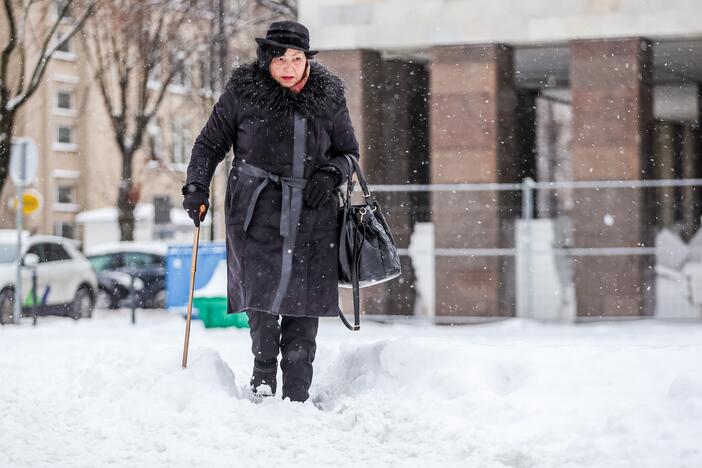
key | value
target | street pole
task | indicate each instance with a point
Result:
(18, 223)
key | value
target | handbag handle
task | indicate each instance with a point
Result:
(356, 167)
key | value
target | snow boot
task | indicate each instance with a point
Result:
(263, 379)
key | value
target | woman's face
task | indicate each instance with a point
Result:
(288, 69)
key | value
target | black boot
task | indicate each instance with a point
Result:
(298, 347)
(263, 379)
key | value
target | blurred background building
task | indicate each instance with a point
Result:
(496, 92)
(456, 103)
(80, 162)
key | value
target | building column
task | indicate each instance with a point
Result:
(691, 196)
(612, 116)
(472, 111)
(362, 72)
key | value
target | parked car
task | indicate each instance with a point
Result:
(117, 263)
(66, 281)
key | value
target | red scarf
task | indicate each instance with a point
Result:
(301, 84)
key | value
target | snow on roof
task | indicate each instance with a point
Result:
(10, 235)
(142, 212)
(156, 248)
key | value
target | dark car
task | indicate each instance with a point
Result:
(119, 264)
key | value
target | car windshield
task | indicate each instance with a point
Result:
(8, 253)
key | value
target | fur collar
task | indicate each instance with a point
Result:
(322, 92)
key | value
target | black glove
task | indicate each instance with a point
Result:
(320, 187)
(193, 199)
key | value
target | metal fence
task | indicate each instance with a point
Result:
(545, 250)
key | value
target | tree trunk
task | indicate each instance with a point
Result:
(126, 200)
(6, 125)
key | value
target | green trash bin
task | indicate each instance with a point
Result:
(213, 313)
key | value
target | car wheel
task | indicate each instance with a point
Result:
(82, 305)
(7, 305)
(160, 299)
(106, 300)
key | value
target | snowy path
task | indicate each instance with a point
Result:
(513, 394)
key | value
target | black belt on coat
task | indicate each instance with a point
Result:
(291, 207)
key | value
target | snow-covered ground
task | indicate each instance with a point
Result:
(517, 394)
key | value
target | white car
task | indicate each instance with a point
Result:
(66, 281)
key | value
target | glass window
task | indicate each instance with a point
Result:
(64, 229)
(8, 253)
(60, 5)
(105, 262)
(67, 46)
(64, 100)
(65, 194)
(181, 143)
(40, 251)
(138, 259)
(56, 253)
(64, 134)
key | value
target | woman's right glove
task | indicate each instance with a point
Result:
(193, 198)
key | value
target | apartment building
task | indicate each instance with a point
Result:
(80, 164)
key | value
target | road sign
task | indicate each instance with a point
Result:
(32, 201)
(24, 161)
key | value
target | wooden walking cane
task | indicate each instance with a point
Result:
(193, 267)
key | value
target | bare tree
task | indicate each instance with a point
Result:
(17, 15)
(283, 8)
(216, 40)
(136, 48)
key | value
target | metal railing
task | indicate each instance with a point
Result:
(514, 238)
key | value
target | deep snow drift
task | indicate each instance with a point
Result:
(512, 394)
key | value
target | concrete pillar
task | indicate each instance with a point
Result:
(362, 72)
(472, 109)
(403, 146)
(691, 196)
(612, 112)
(665, 150)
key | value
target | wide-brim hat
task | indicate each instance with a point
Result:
(288, 35)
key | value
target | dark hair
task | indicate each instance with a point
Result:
(266, 53)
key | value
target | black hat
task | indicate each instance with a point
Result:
(288, 35)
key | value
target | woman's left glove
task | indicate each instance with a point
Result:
(320, 187)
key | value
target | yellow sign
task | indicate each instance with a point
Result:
(31, 202)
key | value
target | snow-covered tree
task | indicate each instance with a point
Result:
(136, 50)
(29, 23)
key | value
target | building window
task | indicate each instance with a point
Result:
(60, 5)
(64, 134)
(65, 194)
(64, 100)
(67, 47)
(154, 142)
(64, 229)
(181, 144)
(182, 76)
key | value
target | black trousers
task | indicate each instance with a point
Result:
(294, 338)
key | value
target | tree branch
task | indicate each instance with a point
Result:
(45, 56)
(7, 50)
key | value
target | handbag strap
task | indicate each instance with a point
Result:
(357, 242)
(355, 266)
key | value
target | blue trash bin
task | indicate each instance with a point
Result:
(178, 262)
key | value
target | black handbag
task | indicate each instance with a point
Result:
(367, 251)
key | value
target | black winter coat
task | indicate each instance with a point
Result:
(255, 116)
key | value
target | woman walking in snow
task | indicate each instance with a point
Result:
(287, 120)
